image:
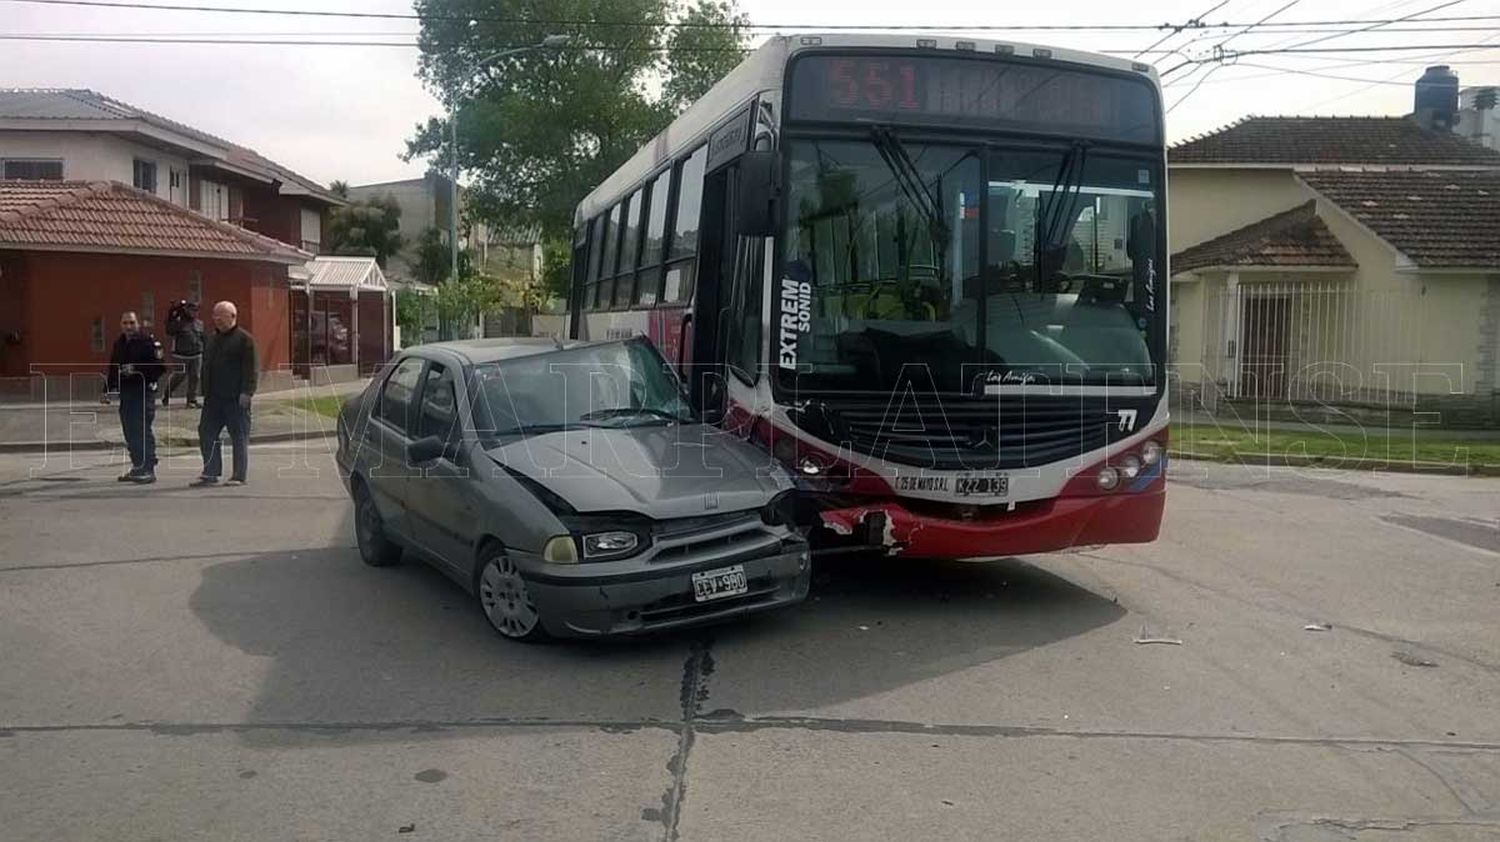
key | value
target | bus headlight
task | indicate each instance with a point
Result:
(1151, 453)
(1108, 479)
(1130, 467)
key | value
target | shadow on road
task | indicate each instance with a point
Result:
(875, 624)
(404, 645)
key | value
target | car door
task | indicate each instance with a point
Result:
(441, 498)
(385, 436)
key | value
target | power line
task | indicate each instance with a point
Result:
(1323, 38)
(124, 39)
(1178, 29)
(958, 27)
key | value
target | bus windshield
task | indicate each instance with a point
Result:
(980, 265)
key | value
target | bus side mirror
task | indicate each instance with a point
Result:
(757, 192)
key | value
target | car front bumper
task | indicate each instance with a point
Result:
(583, 601)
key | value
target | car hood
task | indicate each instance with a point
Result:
(658, 471)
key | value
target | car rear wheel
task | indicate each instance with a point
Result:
(375, 548)
(505, 599)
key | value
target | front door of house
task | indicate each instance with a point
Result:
(1263, 358)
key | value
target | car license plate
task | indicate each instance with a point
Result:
(993, 486)
(720, 583)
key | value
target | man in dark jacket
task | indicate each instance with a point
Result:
(135, 365)
(186, 330)
(230, 372)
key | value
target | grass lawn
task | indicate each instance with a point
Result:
(325, 405)
(1231, 440)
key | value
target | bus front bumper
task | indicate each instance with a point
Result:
(1057, 524)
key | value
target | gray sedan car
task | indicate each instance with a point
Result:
(569, 487)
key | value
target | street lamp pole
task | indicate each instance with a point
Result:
(551, 42)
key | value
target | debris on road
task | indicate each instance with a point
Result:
(1412, 660)
(1318, 627)
(864, 628)
(406, 828)
(1144, 639)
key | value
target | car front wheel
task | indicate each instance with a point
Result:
(505, 599)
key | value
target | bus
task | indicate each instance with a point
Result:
(927, 275)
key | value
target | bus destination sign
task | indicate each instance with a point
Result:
(978, 92)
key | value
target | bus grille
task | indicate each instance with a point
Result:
(967, 436)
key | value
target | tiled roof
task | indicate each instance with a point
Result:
(107, 216)
(1443, 218)
(1292, 238)
(84, 104)
(1393, 141)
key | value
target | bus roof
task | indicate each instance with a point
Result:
(763, 70)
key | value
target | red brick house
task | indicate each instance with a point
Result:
(75, 255)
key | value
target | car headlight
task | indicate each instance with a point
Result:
(561, 550)
(608, 544)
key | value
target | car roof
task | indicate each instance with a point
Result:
(478, 351)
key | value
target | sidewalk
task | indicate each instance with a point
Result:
(89, 425)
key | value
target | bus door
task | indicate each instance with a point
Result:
(709, 313)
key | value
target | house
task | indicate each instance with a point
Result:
(1338, 264)
(1479, 115)
(80, 135)
(343, 318)
(424, 204)
(74, 255)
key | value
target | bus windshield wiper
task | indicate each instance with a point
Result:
(1060, 210)
(909, 179)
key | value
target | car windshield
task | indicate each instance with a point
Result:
(980, 265)
(622, 384)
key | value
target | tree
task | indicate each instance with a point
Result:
(538, 130)
(339, 189)
(702, 49)
(433, 261)
(369, 227)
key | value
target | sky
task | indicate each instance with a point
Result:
(346, 112)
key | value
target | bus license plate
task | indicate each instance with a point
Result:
(982, 486)
(720, 583)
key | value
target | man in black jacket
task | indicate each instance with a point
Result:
(135, 365)
(186, 330)
(230, 372)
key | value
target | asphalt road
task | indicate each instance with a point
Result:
(180, 664)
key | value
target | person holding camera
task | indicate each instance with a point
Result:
(135, 366)
(186, 330)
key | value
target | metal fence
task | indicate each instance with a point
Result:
(1312, 341)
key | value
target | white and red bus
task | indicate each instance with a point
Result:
(928, 275)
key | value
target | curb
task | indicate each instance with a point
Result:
(98, 444)
(1338, 463)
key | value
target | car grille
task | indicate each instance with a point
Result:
(724, 537)
(972, 435)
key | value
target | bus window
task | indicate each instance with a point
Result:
(631, 230)
(689, 206)
(596, 243)
(611, 241)
(648, 284)
(683, 245)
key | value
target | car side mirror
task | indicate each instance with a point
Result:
(756, 192)
(425, 450)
